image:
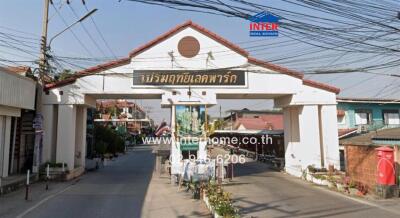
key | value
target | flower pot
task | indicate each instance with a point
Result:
(331, 185)
(353, 191)
(217, 216)
(340, 187)
(309, 177)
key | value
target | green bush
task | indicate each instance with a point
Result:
(221, 201)
(101, 147)
(108, 140)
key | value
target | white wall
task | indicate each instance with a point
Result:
(66, 135)
(80, 136)
(17, 91)
(5, 131)
(50, 133)
(330, 135)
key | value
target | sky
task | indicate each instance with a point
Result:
(126, 25)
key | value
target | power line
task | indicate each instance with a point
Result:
(72, 32)
(86, 31)
(100, 33)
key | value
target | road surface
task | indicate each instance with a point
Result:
(261, 192)
(118, 190)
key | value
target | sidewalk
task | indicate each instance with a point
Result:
(14, 204)
(164, 200)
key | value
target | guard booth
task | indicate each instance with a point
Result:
(188, 68)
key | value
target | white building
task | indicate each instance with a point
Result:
(17, 92)
(309, 107)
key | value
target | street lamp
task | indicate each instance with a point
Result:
(78, 21)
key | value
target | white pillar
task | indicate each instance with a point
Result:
(12, 146)
(330, 135)
(80, 133)
(291, 139)
(309, 136)
(175, 146)
(302, 138)
(49, 132)
(66, 135)
(2, 136)
(5, 131)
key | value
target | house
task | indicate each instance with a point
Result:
(361, 157)
(368, 113)
(17, 105)
(246, 119)
(123, 112)
(360, 115)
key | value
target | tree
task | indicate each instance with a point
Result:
(65, 74)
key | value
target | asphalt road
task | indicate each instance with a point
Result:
(261, 192)
(118, 190)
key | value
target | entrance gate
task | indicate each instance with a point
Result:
(190, 65)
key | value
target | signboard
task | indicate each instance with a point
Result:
(190, 120)
(189, 146)
(186, 78)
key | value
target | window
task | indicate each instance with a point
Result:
(363, 117)
(391, 117)
(341, 120)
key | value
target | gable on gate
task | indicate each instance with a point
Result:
(191, 47)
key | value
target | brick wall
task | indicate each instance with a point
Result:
(361, 163)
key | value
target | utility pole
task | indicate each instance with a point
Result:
(43, 42)
(39, 89)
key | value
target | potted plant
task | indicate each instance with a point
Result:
(352, 187)
(331, 182)
(340, 187)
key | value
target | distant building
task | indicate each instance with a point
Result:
(368, 113)
(246, 119)
(17, 112)
(358, 116)
(123, 112)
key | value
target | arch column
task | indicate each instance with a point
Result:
(80, 136)
(310, 137)
(66, 135)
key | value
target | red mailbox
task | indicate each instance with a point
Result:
(385, 168)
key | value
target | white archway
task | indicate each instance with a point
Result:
(309, 107)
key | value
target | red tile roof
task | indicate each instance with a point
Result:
(319, 85)
(120, 103)
(140, 49)
(17, 69)
(264, 122)
(180, 27)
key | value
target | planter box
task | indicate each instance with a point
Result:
(205, 199)
(331, 185)
(320, 181)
